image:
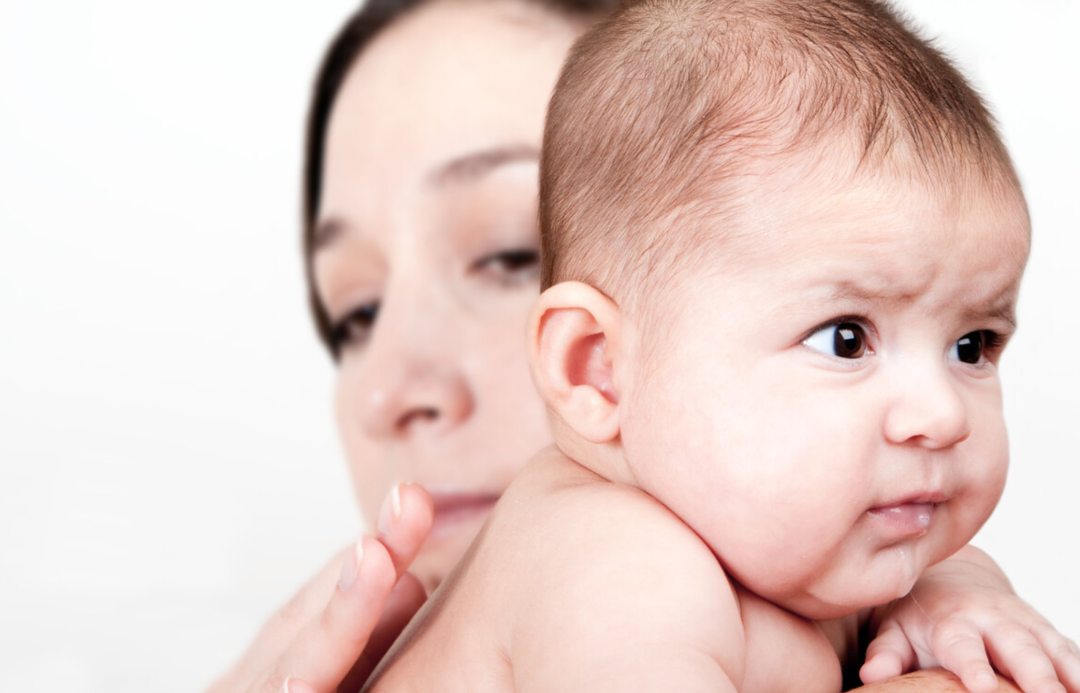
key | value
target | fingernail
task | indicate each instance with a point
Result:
(297, 686)
(390, 512)
(351, 567)
(987, 677)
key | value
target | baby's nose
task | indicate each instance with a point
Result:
(928, 410)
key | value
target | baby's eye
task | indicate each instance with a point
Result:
(845, 340)
(972, 347)
(355, 328)
(511, 267)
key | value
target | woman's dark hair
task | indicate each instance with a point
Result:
(364, 25)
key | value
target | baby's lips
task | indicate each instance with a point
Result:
(906, 518)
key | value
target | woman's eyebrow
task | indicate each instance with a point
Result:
(474, 165)
(325, 233)
(462, 169)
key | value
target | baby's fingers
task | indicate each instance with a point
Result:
(958, 646)
(889, 654)
(1065, 655)
(1020, 656)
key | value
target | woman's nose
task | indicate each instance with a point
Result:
(928, 410)
(413, 380)
(409, 397)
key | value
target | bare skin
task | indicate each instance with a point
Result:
(320, 633)
(674, 551)
(686, 634)
(324, 632)
(555, 497)
(932, 680)
(333, 632)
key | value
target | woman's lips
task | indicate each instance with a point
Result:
(453, 511)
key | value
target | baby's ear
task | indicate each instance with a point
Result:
(574, 336)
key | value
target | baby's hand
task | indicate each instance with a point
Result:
(963, 615)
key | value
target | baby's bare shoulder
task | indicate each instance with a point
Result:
(621, 585)
(567, 521)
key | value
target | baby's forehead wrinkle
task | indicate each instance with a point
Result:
(980, 299)
(877, 292)
(872, 290)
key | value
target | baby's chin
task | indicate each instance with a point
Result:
(889, 577)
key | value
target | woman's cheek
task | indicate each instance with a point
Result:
(520, 420)
(360, 457)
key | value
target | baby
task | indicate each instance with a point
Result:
(782, 244)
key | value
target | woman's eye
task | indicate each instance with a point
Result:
(970, 347)
(355, 328)
(845, 340)
(511, 266)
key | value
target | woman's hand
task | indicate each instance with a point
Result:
(963, 615)
(313, 645)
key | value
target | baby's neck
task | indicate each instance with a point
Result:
(606, 460)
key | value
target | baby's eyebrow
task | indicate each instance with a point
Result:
(1003, 309)
(999, 307)
(852, 291)
(475, 165)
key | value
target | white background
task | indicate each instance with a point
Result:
(169, 471)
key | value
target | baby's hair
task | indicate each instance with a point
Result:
(666, 111)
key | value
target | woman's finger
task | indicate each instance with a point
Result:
(280, 630)
(326, 649)
(404, 522)
(408, 596)
(294, 642)
(295, 685)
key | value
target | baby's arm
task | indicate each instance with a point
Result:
(632, 600)
(963, 615)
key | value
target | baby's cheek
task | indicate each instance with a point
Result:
(988, 488)
(987, 460)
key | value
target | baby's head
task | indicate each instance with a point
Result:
(784, 243)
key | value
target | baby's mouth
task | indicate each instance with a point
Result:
(907, 518)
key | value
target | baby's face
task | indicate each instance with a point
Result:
(824, 409)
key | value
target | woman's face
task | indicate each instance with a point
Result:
(426, 257)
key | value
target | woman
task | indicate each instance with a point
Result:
(420, 206)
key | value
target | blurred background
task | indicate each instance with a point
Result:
(169, 470)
